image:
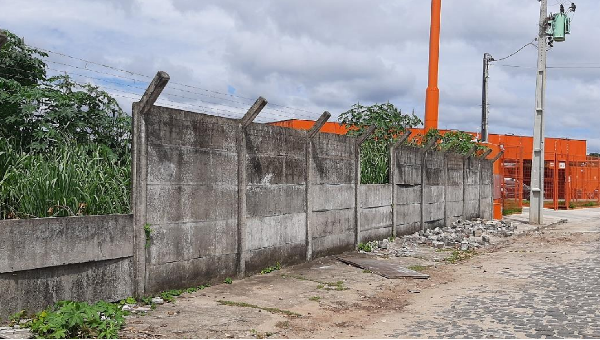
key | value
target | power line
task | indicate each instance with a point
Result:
(553, 67)
(517, 51)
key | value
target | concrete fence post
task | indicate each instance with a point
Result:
(308, 195)
(357, 206)
(424, 152)
(244, 122)
(392, 176)
(140, 178)
(466, 166)
(445, 166)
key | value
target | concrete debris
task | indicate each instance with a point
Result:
(135, 309)
(462, 234)
(158, 301)
(15, 332)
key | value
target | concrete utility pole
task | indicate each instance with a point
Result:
(537, 167)
(484, 97)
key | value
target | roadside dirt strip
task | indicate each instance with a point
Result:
(539, 285)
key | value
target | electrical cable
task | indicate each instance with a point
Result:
(517, 51)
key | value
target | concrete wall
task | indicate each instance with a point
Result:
(73, 258)
(275, 196)
(225, 199)
(471, 188)
(407, 178)
(192, 189)
(454, 187)
(332, 192)
(375, 212)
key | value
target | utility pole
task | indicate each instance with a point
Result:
(537, 166)
(487, 58)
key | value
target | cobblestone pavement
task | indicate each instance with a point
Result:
(554, 293)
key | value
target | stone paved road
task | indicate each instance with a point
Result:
(544, 287)
(537, 285)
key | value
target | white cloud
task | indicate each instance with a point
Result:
(326, 55)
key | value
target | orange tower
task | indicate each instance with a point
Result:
(432, 98)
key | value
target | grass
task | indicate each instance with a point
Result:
(510, 211)
(460, 255)
(418, 268)
(338, 285)
(228, 281)
(267, 309)
(314, 298)
(68, 181)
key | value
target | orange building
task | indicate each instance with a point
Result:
(571, 177)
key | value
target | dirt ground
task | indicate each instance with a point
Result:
(485, 296)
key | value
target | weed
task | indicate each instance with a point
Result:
(228, 281)
(68, 319)
(268, 309)
(320, 286)
(282, 324)
(69, 180)
(148, 231)
(271, 269)
(460, 255)
(15, 318)
(392, 238)
(366, 247)
(169, 295)
(418, 268)
(315, 298)
(367, 271)
(572, 205)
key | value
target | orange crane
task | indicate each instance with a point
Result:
(432, 98)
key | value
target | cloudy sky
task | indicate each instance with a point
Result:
(314, 55)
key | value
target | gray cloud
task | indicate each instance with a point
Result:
(326, 55)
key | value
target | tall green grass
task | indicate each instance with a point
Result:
(68, 180)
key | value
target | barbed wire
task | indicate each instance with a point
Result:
(210, 109)
(172, 88)
(172, 82)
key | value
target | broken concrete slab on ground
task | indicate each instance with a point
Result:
(381, 267)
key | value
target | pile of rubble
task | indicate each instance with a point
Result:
(463, 235)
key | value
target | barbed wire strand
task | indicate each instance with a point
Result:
(150, 77)
(170, 88)
(143, 89)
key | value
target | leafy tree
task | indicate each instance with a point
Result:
(455, 141)
(38, 113)
(391, 124)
